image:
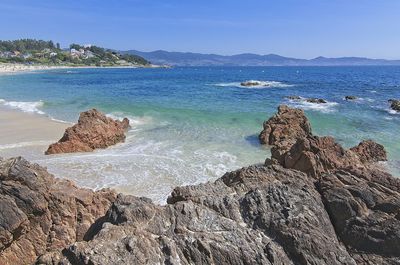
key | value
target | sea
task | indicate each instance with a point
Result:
(192, 124)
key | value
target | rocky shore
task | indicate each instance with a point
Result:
(313, 202)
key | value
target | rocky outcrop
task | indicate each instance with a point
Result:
(256, 215)
(365, 214)
(394, 104)
(321, 204)
(94, 130)
(369, 151)
(299, 149)
(39, 213)
(284, 128)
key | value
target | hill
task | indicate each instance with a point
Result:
(249, 59)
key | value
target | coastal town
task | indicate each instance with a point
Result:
(39, 52)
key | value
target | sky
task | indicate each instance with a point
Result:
(295, 28)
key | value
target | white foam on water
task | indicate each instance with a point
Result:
(133, 120)
(25, 106)
(262, 84)
(143, 167)
(302, 103)
(392, 112)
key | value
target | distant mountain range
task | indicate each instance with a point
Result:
(249, 59)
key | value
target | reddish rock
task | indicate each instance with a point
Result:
(369, 151)
(40, 213)
(284, 128)
(94, 130)
(295, 147)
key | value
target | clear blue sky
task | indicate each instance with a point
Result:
(298, 28)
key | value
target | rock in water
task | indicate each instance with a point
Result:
(350, 98)
(394, 104)
(40, 213)
(293, 97)
(299, 149)
(284, 128)
(316, 100)
(94, 130)
(251, 83)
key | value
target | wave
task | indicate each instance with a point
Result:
(24, 144)
(25, 106)
(302, 103)
(133, 120)
(261, 84)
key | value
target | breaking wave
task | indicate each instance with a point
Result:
(302, 103)
(25, 106)
(260, 84)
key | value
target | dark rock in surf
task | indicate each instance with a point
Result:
(349, 98)
(316, 100)
(394, 104)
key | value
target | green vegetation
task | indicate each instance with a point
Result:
(32, 51)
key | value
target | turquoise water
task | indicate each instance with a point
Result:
(193, 124)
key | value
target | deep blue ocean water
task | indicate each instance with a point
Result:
(191, 125)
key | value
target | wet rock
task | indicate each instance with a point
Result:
(40, 213)
(316, 100)
(94, 130)
(394, 104)
(348, 98)
(251, 83)
(295, 147)
(293, 97)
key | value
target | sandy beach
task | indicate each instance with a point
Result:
(13, 68)
(29, 132)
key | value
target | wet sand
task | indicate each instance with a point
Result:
(26, 133)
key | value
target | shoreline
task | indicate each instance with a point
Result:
(22, 130)
(14, 68)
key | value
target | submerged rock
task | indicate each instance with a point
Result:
(316, 100)
(39, 213)
(394, 104)
(94, 130)
(293, 97)
(251, 83)
(350, 98)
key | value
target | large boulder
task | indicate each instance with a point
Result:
(284, 128)
(94, 130)
(294, 146)
(40, 213)
(256, 215)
